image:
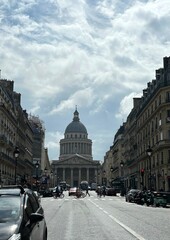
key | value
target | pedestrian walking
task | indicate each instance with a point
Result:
(87, 191)
(104, 191)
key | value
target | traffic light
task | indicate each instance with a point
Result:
(142, 171)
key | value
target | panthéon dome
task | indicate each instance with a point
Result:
(76, 126)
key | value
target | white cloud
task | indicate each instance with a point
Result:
(94, 54)
(52, 143)
(81, 97)
(126, 105)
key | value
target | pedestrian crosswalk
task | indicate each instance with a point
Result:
(67, 198)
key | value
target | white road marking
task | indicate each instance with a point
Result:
(131, 231)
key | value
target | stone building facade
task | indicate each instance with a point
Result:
(153, 129)
(75, 162)
(147, 126)
(16, 130)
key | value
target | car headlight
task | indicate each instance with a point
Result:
(15, 237)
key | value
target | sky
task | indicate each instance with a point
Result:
(94, 54)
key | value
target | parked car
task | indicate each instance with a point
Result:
(21, 215)
(130, 195)
(110, 191)
(72, 191)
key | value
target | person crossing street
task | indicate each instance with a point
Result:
(87, 191)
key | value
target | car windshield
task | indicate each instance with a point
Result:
(9, 208)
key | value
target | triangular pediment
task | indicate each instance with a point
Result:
(76, 159)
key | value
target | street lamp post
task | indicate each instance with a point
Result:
(122, 178)
(121, 165)
(58, 180)
(163, 176)
(16, 155)
(55, 180)
(98, 178)
(46, 180)
(149, 152)
(104, 178)
(37, 166)
(51, 176)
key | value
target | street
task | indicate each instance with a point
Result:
(104, 218)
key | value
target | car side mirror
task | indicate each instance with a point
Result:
(36, 217)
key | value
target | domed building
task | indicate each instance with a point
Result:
(75, 162)
(75, 140)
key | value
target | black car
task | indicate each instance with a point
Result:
(110, 191)
(131, 195)
(47, 193)
(21, 215)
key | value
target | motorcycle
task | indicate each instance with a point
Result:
(139, 198)
(149, 198)
(58, 195)
(80, 194)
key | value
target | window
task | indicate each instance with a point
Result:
(148, 130)
(28, 209)
(156, 138)
(168, 115)
(34, 202)
(162, 158)
(156, 123)
(168, 156)
(152, 109)
(168, 134)
(161, 136)
(148, 112)
(160, 119)
(9, 208)
(153, 161)
(157, 159)
(152, 128)
(167, 96)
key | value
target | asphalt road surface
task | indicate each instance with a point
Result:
(106, 218)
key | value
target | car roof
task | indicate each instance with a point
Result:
(12, 190)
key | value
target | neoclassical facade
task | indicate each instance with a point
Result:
(75, 162)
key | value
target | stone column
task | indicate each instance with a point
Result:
(79, 176)
(64, 173)
(96, 175)
(55, 177)
(71, 177)
(87, 169)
